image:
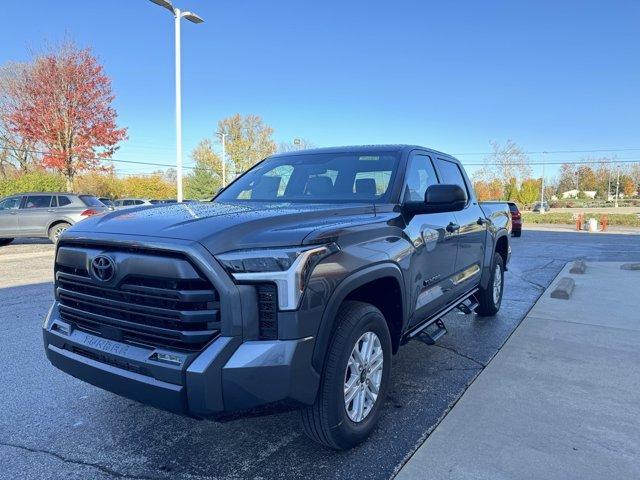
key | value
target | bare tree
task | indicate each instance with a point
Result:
(507, 162)
(17, 153)
(297, 144)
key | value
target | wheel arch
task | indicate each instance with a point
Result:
(501, 246)
(365, 285)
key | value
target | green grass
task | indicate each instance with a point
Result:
(616, 219)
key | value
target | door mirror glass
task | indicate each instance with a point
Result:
(439, 198)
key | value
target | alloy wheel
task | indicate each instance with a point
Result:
(363, 377)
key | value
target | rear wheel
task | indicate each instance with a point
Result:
(490, 298)
(5, 241)
(355, 379)
(57, 230)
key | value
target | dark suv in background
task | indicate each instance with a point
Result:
(44, 215)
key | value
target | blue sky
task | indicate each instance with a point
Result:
(551, 75)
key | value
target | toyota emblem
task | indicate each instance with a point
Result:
(103, 268)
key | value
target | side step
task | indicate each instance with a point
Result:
(468, 306)
(432, 333)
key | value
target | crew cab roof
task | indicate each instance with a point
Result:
(362, 149)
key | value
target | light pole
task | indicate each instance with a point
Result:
(223, 137)
(192, 17)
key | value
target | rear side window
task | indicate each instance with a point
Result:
(63, 201)
(91, 201)
(38, 201)
(451, 174)
(126, 203)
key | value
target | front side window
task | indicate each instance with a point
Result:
(420, 176)
(38, 201)
(451, 174)
(10, 203)
(320, 177)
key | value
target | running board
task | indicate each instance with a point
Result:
(434, 318)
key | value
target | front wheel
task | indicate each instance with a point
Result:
(57, 230)
(5, 241)
(355, 379)
(490, 298)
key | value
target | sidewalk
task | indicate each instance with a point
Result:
(560, 400)
(551, 227)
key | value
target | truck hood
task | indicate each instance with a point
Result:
(222, 226)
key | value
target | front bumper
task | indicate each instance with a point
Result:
(228, 375)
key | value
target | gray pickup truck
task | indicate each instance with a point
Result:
(295, 286)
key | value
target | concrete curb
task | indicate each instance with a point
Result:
(630, 266)
(579, 267)
(564, 288)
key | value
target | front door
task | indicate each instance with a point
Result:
(9, 217)
(433, 260)
(472, 230)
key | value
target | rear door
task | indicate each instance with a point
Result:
(35, 214)
(433, 261)
(9, 217)
(472, 230)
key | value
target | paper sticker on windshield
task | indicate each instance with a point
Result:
(374, 158)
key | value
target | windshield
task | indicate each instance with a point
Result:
(322, 177)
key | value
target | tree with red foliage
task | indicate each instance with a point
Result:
(64, 105)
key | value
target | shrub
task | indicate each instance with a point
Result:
(38, 181)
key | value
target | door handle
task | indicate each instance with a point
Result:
(13, 213)
(453, 227)
(51, 210)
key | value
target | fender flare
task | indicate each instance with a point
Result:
(488, 258)
(341, 291)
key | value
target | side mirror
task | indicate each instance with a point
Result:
(438, 199)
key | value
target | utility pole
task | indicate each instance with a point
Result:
(544, 159)
(617, 186)
(223, 137)
(193, 18)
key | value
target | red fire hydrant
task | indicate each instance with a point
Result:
(604, 222)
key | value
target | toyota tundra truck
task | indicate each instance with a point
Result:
(296, 285)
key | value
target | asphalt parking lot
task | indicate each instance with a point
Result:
(54, 426)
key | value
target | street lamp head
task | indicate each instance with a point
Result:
(165, 4)
(192, 17)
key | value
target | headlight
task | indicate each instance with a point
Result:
(289, 268)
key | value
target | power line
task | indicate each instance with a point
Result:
(558, 151)
(577, 162)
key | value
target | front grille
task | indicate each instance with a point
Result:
(144, 306)
(267, 311)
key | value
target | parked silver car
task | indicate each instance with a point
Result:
(130, 202)
(44, 215)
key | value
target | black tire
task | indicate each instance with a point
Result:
(488, 305)
(327, 421)
(57, 230)
(5, 241)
